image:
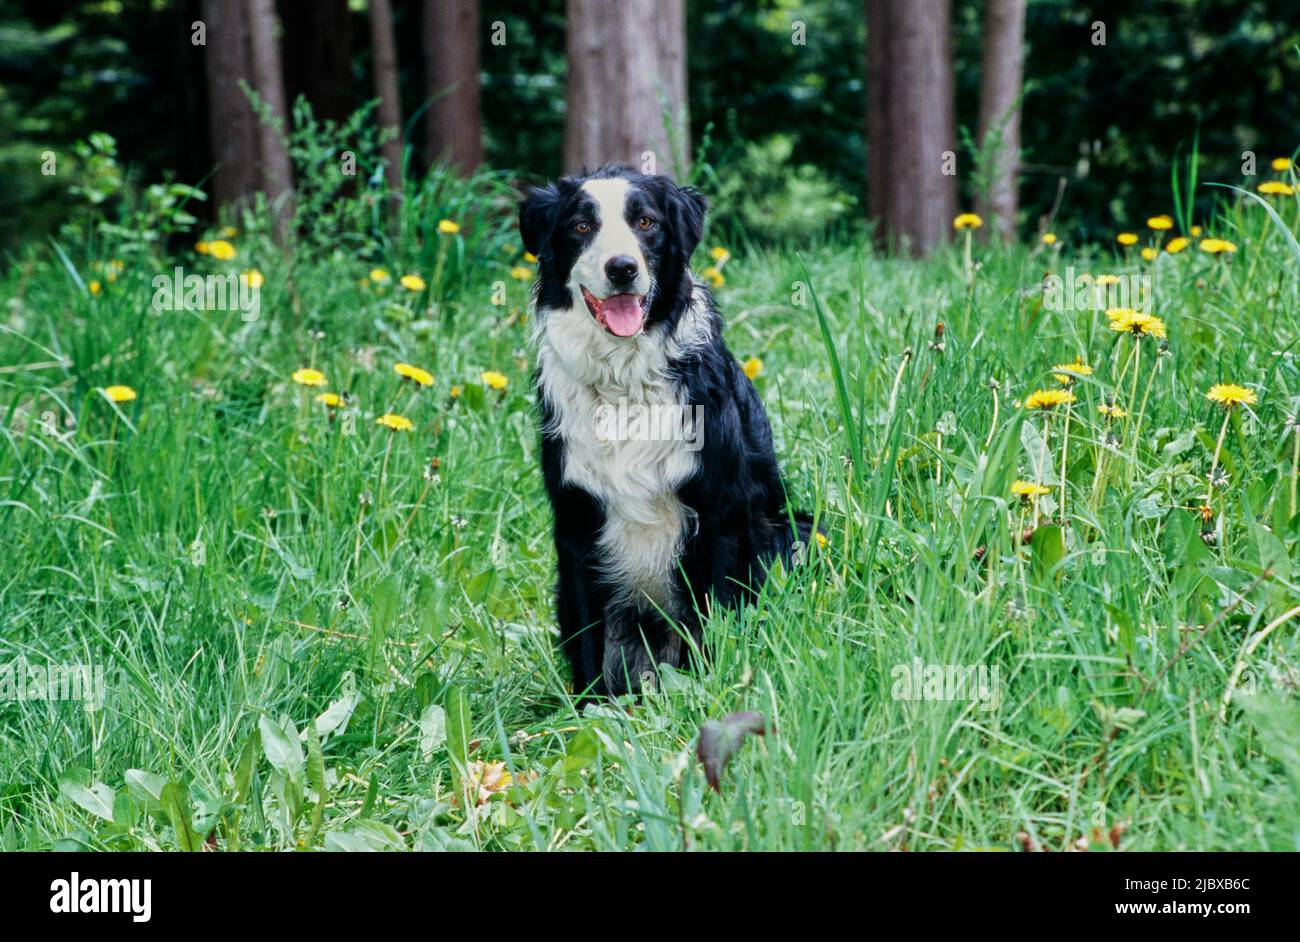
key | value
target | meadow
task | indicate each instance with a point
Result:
(319, 586)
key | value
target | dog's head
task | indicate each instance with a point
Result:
(616, 243)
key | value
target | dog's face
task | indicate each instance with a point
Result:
(615, 242)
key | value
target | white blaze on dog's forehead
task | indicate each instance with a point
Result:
(614, 237)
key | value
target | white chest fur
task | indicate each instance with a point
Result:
(586, 375)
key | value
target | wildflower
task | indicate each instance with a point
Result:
(753, 367)
(333, 400)
(412, 282)
(1230, 394)
(414, 373)
(94, 287)
(1217, 246)
(447, 227)
(719, 255)
(308, 377)
(1049, 399)
(229, 232)
(519, 273)
(1195, 232)
(1111, 410)
(119, 393)
(1160, 223)
(1027, 490)
(114, 268)
(530, 258)
(1049, 238)
(1104, 280)
(456, 391)
(967, 221)
(1276, 188)
(380, 276)
(1177, 244)
(820, 538)
(495, 380)
(1149, 254)
(221, 250)
(715, 277)
(252, 279)
(1127, 238)
(201, 248)
(1078, 368)
(396, 423)
(1281, 164)
(1137, 323)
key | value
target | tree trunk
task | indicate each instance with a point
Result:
(1000, 90)
(453, 124)
(384, 52)
(232, 124)
(620, 85)
(911, 123)
(268, 78)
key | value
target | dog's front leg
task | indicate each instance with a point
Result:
(580, 610)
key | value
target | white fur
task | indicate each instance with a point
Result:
(585, 370)
(613, 237)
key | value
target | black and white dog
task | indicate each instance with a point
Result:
(651, 526)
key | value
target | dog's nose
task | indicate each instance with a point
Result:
(621, 270)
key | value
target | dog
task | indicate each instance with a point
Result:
(652, 525)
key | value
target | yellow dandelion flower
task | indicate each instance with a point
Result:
(753, 367)
(1230, 394)
(95, 287)
(1112, 411)
(333, 400)
(1149, 254)
(414, 373)
(1049, 399)
(1161, 222)
(716, 278)
(252, 279)
(229, 232)
(967, 221)
(1127, 238)
(1049, 238)
(380, 276)
(1028, 489)
(1177, 244)
(494, 380)
(1195, 231)
(1104, 280)
(308, 377)
(821, 539)
(396, 423)
(119, 393)
(1137, 323)
(1276, 188)
(519, 273)
(456, 391)
(530, 258)
(719, 254)
(1281, 164)
(447, 227)
(1077, 368)
(221, 250)
(412, 282)
(201, 248)
(1217, 246)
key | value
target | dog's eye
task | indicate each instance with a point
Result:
(645, 222)
(582, 228)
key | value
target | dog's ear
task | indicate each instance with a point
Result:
(687, 206)
(537, 216)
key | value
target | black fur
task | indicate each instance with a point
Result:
(737, 495)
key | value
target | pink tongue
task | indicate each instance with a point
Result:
(622, 314)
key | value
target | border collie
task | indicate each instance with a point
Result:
(655, 521)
